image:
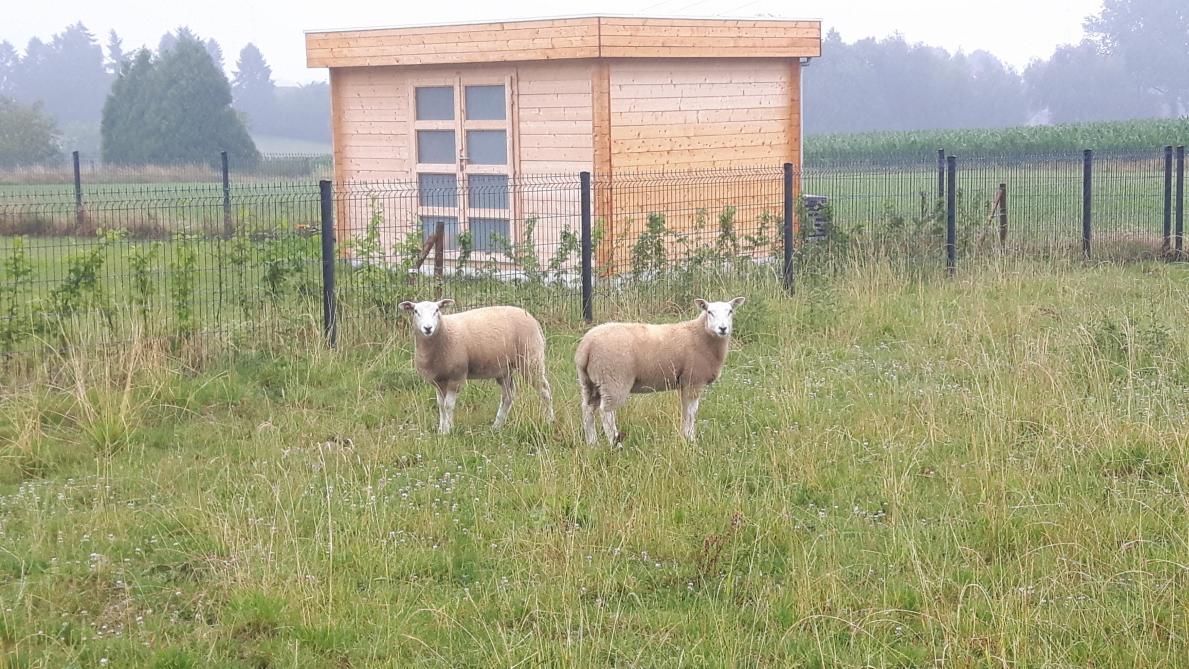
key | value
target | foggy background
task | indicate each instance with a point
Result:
(909, 65)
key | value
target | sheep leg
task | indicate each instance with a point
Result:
(546, 394)
(449, 397)
(508, 388)
(441, 409)
(690, 397)
(609, 428)
(588, 411)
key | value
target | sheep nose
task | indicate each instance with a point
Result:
(722, 329)
(427, 329)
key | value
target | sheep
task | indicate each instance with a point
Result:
(486, 343)
(617, 359)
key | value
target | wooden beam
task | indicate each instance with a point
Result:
(600, 87)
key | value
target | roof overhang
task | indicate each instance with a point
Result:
(564, 38)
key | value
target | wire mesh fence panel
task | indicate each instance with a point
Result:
(58, 175)
(663, 239)
(182, 260)
(503, 240)
(1128, 205)
(176, 264)
(890, 209)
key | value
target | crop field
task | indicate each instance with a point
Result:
(1148, 135)
(895, 470)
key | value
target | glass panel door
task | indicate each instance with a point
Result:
(487, 163)
(461, 135)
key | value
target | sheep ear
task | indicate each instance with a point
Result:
(407, 306)
(738, 302)
(701, 303)
(445, 303)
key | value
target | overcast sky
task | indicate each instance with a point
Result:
(1015, 30)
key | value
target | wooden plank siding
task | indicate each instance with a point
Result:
(614, 96)
(557, 39)
(673, 115)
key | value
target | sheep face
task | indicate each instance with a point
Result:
(720, 316)
(427, 316)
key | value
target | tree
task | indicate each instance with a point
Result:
(173, 109)
(115, 54)
(1080, 83)
(27, 137)
(67, 75)
(1152, 39)
(890, 84)
(216, 53)
(303, 112)
(10, 64)
(253, 88)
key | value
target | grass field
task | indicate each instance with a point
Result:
(892, 471)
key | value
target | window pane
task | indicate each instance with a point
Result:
(487, 147)
(487, 191)
(435, 147)
(435, 103)
(437, 190)
(486, 103)
(490, 234)
(429, 224)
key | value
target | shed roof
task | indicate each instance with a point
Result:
(565, 38)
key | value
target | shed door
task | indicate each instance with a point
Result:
(464, 159)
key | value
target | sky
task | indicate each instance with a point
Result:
(1015, 30)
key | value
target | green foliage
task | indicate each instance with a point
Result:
(173, 109)
(466, 247)
(568, 246)
(15, 282)
(183, 271)
(81, 289)
(378, 274)
(140, 262)
(727, 242)
(287, 257)
(649, 254)
(27, 135)
(1146, 135)
(523, 251)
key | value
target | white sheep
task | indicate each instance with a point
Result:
(617, 359)
(488, 343)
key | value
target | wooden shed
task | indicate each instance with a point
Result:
(474, 106)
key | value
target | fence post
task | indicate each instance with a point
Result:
(228, 228)
(941, 175)
(1003, 216)
(1166, 239)
(787, 267)
(587, 242)
(951, 215)
(1180, 233)
(80, 214)
(1087, 192)
(439, 256)
(329, 297)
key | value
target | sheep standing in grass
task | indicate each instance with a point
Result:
(617, 359)
(488, 343)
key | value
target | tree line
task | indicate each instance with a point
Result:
(70, 92)
(1132, 63)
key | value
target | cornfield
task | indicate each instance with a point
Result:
(893, 146)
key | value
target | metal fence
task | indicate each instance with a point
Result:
(248, 262)
(88, 171)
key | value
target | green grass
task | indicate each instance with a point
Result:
(1127, 136)
(895, 470)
